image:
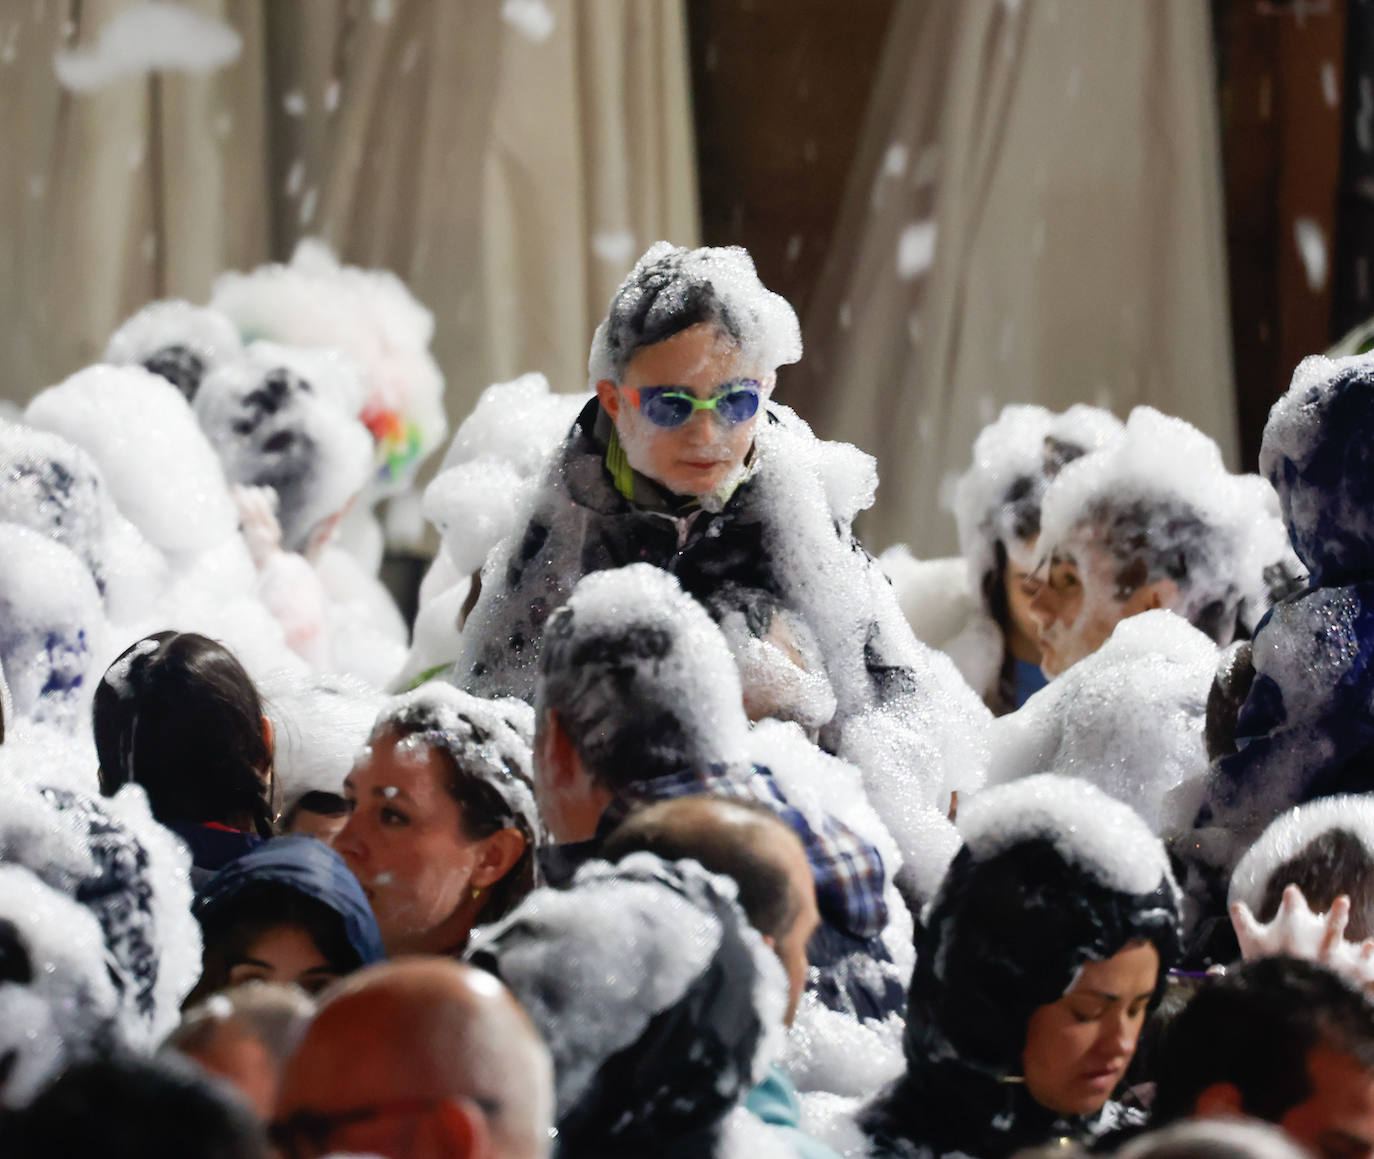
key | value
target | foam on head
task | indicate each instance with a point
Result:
(998, 497)
(1318, 451)
(283, 418)
(672, 288)
(370, 317)
(176, 340)
(155, 459)
(1099, 835)
(1158, 504)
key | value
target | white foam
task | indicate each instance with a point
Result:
(1089, 829)
(149, 37)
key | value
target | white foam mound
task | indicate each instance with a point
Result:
(1292, 832)
(370, 317)
(1012, 463)
(159, 467)
(318, 725)
(616, 951)
(769, 333)
(52, 627)
(145, 38)
(174, 322)
(1129, 718)
(1099, 835)
(698, 675)
(520, 422)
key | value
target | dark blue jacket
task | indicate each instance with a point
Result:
(310, 867)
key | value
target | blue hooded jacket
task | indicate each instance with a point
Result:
(311, 868)
(1306, 727)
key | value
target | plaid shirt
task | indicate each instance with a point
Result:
(848, 871)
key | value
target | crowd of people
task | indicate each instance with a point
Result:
(679, 825)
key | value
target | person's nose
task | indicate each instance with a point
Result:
(348, 844)
(1043, 606)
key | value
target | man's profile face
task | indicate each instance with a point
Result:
(1337, 1120)
(700, 456)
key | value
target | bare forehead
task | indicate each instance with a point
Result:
(698, 354)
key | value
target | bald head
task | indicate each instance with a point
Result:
(749, 843)
(423, 1030)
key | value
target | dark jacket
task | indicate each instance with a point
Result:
(1005, 936)
(730, 560)
(309, 867)
(1305, 728)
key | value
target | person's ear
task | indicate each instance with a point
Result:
(559, 754)
(1220, 1100)
(269, 735)
(497, 857)
(462, 1130)
(609, 398)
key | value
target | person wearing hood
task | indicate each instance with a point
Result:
(1045, 948)
(682, 461)
(1304, 727)
(288, 911)
(659, 1001)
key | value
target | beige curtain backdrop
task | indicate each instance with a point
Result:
(1063, 158)
(509, 180)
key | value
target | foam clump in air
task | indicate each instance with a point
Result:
(763, 323)
(149, 37)
(177, 340)
(319, 722)
(282, 418)
(156, 461)
(1094, 832)
(1346, 818)
(1162, 495)
(53, 487)
(52, 627)
(372, 319)
(1129, 718)
(490, 740)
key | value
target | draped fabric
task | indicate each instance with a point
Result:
(507, 170)
(1035, 215)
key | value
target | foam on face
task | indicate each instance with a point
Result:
(769, 333)
(154, 458)
(1292, 832)
(1090, 830)
(488, 739)
(1129, 718)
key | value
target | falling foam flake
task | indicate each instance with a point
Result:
(1311, 242)
(614, 246)
(294, 103)
(894, 160)
(533, 19)
(308, 205)
(915, 250)
(295, 179)
(147, 38)
(1331, 92)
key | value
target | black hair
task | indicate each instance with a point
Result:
(675, 831)
(177, 714)
(483, 809)
(179, 365)
(129, 1107)
(1254, 1029)
(661, 300)
(1154, 539)
(232, 926)
(1335, 863)
(600, 682)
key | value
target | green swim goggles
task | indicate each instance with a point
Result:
(671, 406)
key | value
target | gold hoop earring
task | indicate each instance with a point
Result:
(476, 892)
